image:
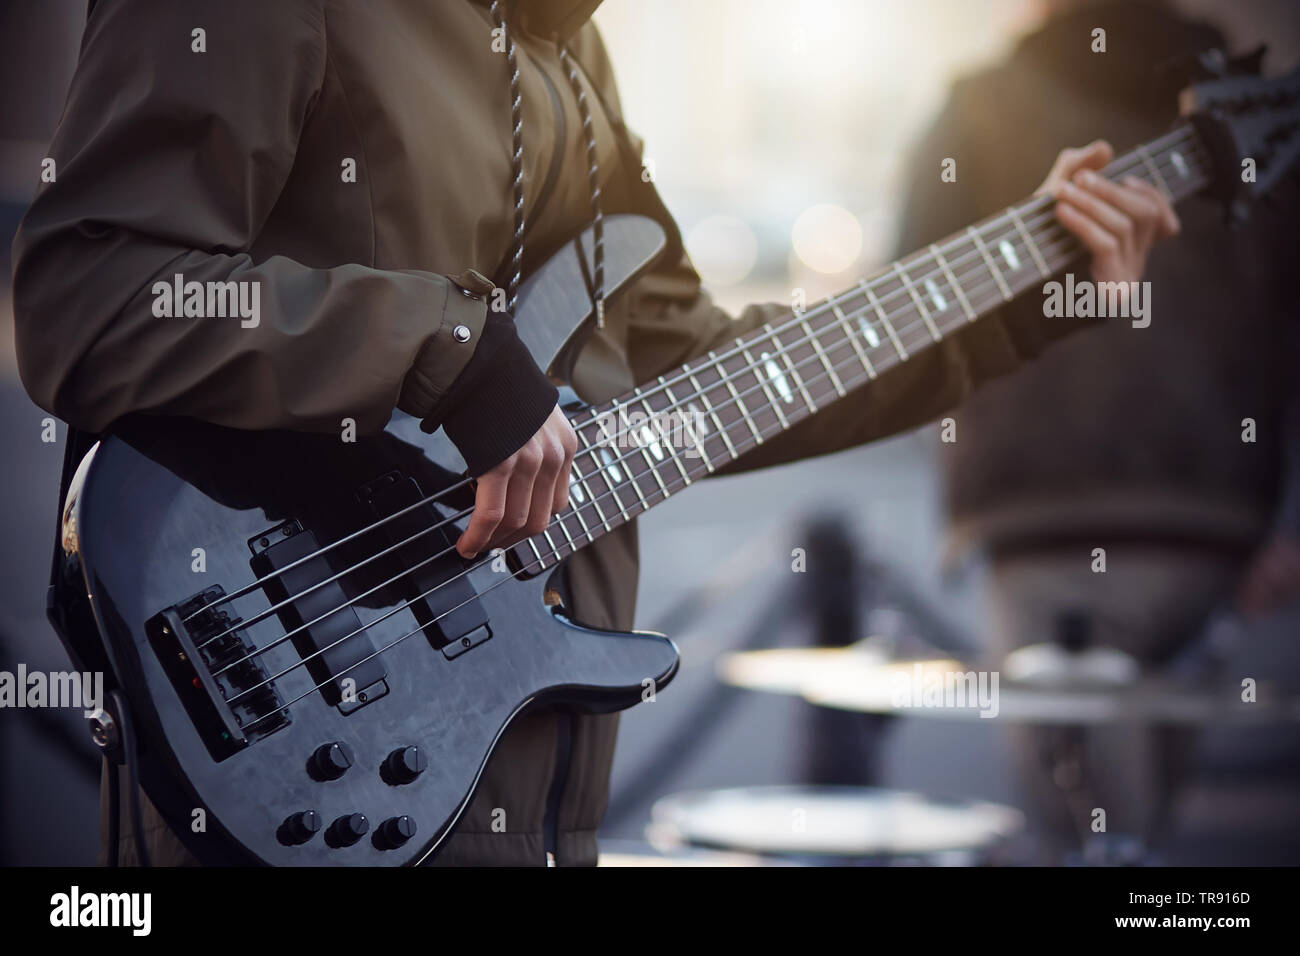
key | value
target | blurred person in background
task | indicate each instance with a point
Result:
(1127, 439)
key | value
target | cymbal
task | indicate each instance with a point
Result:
(866, 681)
(832, 822)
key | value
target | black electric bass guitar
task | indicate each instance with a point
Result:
(309, 662)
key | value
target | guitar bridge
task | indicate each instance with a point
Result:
(198, 638)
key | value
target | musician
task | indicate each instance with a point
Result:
(356, 161)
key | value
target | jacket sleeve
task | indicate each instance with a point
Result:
(169, 161)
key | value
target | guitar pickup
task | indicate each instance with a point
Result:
(197, 638)
(327, 633)
(432, 577)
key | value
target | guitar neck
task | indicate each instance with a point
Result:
(642, 447)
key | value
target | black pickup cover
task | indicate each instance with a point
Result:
(442, 598)
(342, 662)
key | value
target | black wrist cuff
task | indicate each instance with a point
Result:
(499, 401)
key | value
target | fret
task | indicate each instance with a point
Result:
(664, 438)
(1156, 178)
(676, 460)
(600, 512)
(952, 281)
(853, 339)
(1029, 242)
(771, 371)
(722, 430)
(590, 493)
(663, 489)
(571, 537)
(739, 402)
(626, 457)
(595, 499)
(724, 410)
(648, 432)
(546, 533)
(920, 305)
(559, 519)
(577, 513)
(662, 441)
(988, 261)
(840, 390)
(537, 554)
(689, 423)
(617, 464)
(697, 429)
(884, 320)
(784, 353)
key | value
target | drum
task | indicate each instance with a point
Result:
(862, 826)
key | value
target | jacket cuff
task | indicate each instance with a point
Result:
(448, 351)
(501, 401)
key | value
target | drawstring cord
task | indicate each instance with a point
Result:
(516, 256)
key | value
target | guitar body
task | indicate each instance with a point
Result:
(195, 542)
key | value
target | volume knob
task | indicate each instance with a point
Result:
(302, 826)
(330, 761)
(405, 764)
(349, 828)
(395, 831)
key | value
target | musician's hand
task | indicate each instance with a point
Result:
(1117, 222)
(517, 498)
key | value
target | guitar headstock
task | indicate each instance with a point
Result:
(1249, 125)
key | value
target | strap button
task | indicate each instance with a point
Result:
(461, 333)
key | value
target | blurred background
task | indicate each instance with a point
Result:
(786, 141)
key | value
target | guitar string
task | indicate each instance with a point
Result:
(1051, 250)
(902, 292)
(633, 476)
(540, 565)
(285, 602)
(1003, 220)
(382, 650)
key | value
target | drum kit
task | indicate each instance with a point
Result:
(1064, 691)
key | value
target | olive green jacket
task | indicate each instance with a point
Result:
(349, 157)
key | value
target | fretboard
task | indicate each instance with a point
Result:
(642, 447)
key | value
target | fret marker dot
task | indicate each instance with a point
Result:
(649, 441)
(1009, 254)
(777, 378)
(1180, 164)
(610, 467)
(936, 296)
